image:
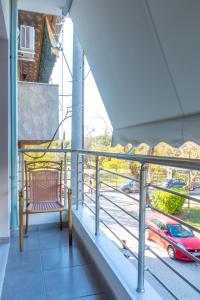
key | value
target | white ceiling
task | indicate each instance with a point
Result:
(145, 58)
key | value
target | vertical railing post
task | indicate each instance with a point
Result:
(80, 178)
(70, 215)
(82, 185)
(141, 243)
(97, 206)
(77, 180)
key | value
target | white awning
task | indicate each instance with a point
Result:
(145, 58)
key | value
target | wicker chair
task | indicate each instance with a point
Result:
(43, 183)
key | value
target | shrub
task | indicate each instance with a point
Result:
(168, 203)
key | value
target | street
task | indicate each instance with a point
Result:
(189, 270)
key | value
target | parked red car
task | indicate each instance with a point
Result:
(176, 232)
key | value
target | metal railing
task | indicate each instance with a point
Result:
(96, 195)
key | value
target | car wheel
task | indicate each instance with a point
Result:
(126, 191)
(171, 252)
(148, 235)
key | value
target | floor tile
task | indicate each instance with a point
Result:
(30, 243)
(4, 251)
(23, 296)
(95, 297)
(24, 262)
(71, 283)
(26, 286)
(51, 226)
(31, 228)
(49, 268)
(62, 257)
(49, 239)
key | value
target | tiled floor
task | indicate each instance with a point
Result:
(50, 269)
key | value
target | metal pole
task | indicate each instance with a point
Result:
(82, 179)
(97, 207)
(141, 242)
(77, 181)
(70, 215)
(13, 112)
(77, 110)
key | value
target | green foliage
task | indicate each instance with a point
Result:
(192, 216)
(167, 202)
(39, 155)
(115, 164)
(101, 140)
(98, 143)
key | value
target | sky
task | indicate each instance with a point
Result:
(96, 118)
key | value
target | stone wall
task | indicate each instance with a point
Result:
(38, 111)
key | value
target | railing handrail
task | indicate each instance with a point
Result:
(183, 163)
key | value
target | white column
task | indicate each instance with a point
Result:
(77, 111)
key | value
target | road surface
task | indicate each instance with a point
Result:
(189, 270)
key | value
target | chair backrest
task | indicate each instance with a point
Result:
(44, 181)
(44, 185)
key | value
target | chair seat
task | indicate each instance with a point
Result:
(45, 206)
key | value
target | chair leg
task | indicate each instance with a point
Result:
(26, 229)
(21, 241)
(61, 223)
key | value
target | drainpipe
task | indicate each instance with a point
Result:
(77, 118)
(13, 112)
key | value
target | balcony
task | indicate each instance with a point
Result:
(110, 257)
(155, 100)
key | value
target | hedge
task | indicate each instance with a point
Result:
(168, 203)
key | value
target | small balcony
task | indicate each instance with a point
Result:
(110, 258)
(146, 71)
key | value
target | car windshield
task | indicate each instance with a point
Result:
(178, 230)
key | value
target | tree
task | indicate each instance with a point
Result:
(118, 165)
(115, 164)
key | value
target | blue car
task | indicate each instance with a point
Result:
(174, 183)
(130, 187)
(195, 186)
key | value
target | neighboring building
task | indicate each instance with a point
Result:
(38, 101)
